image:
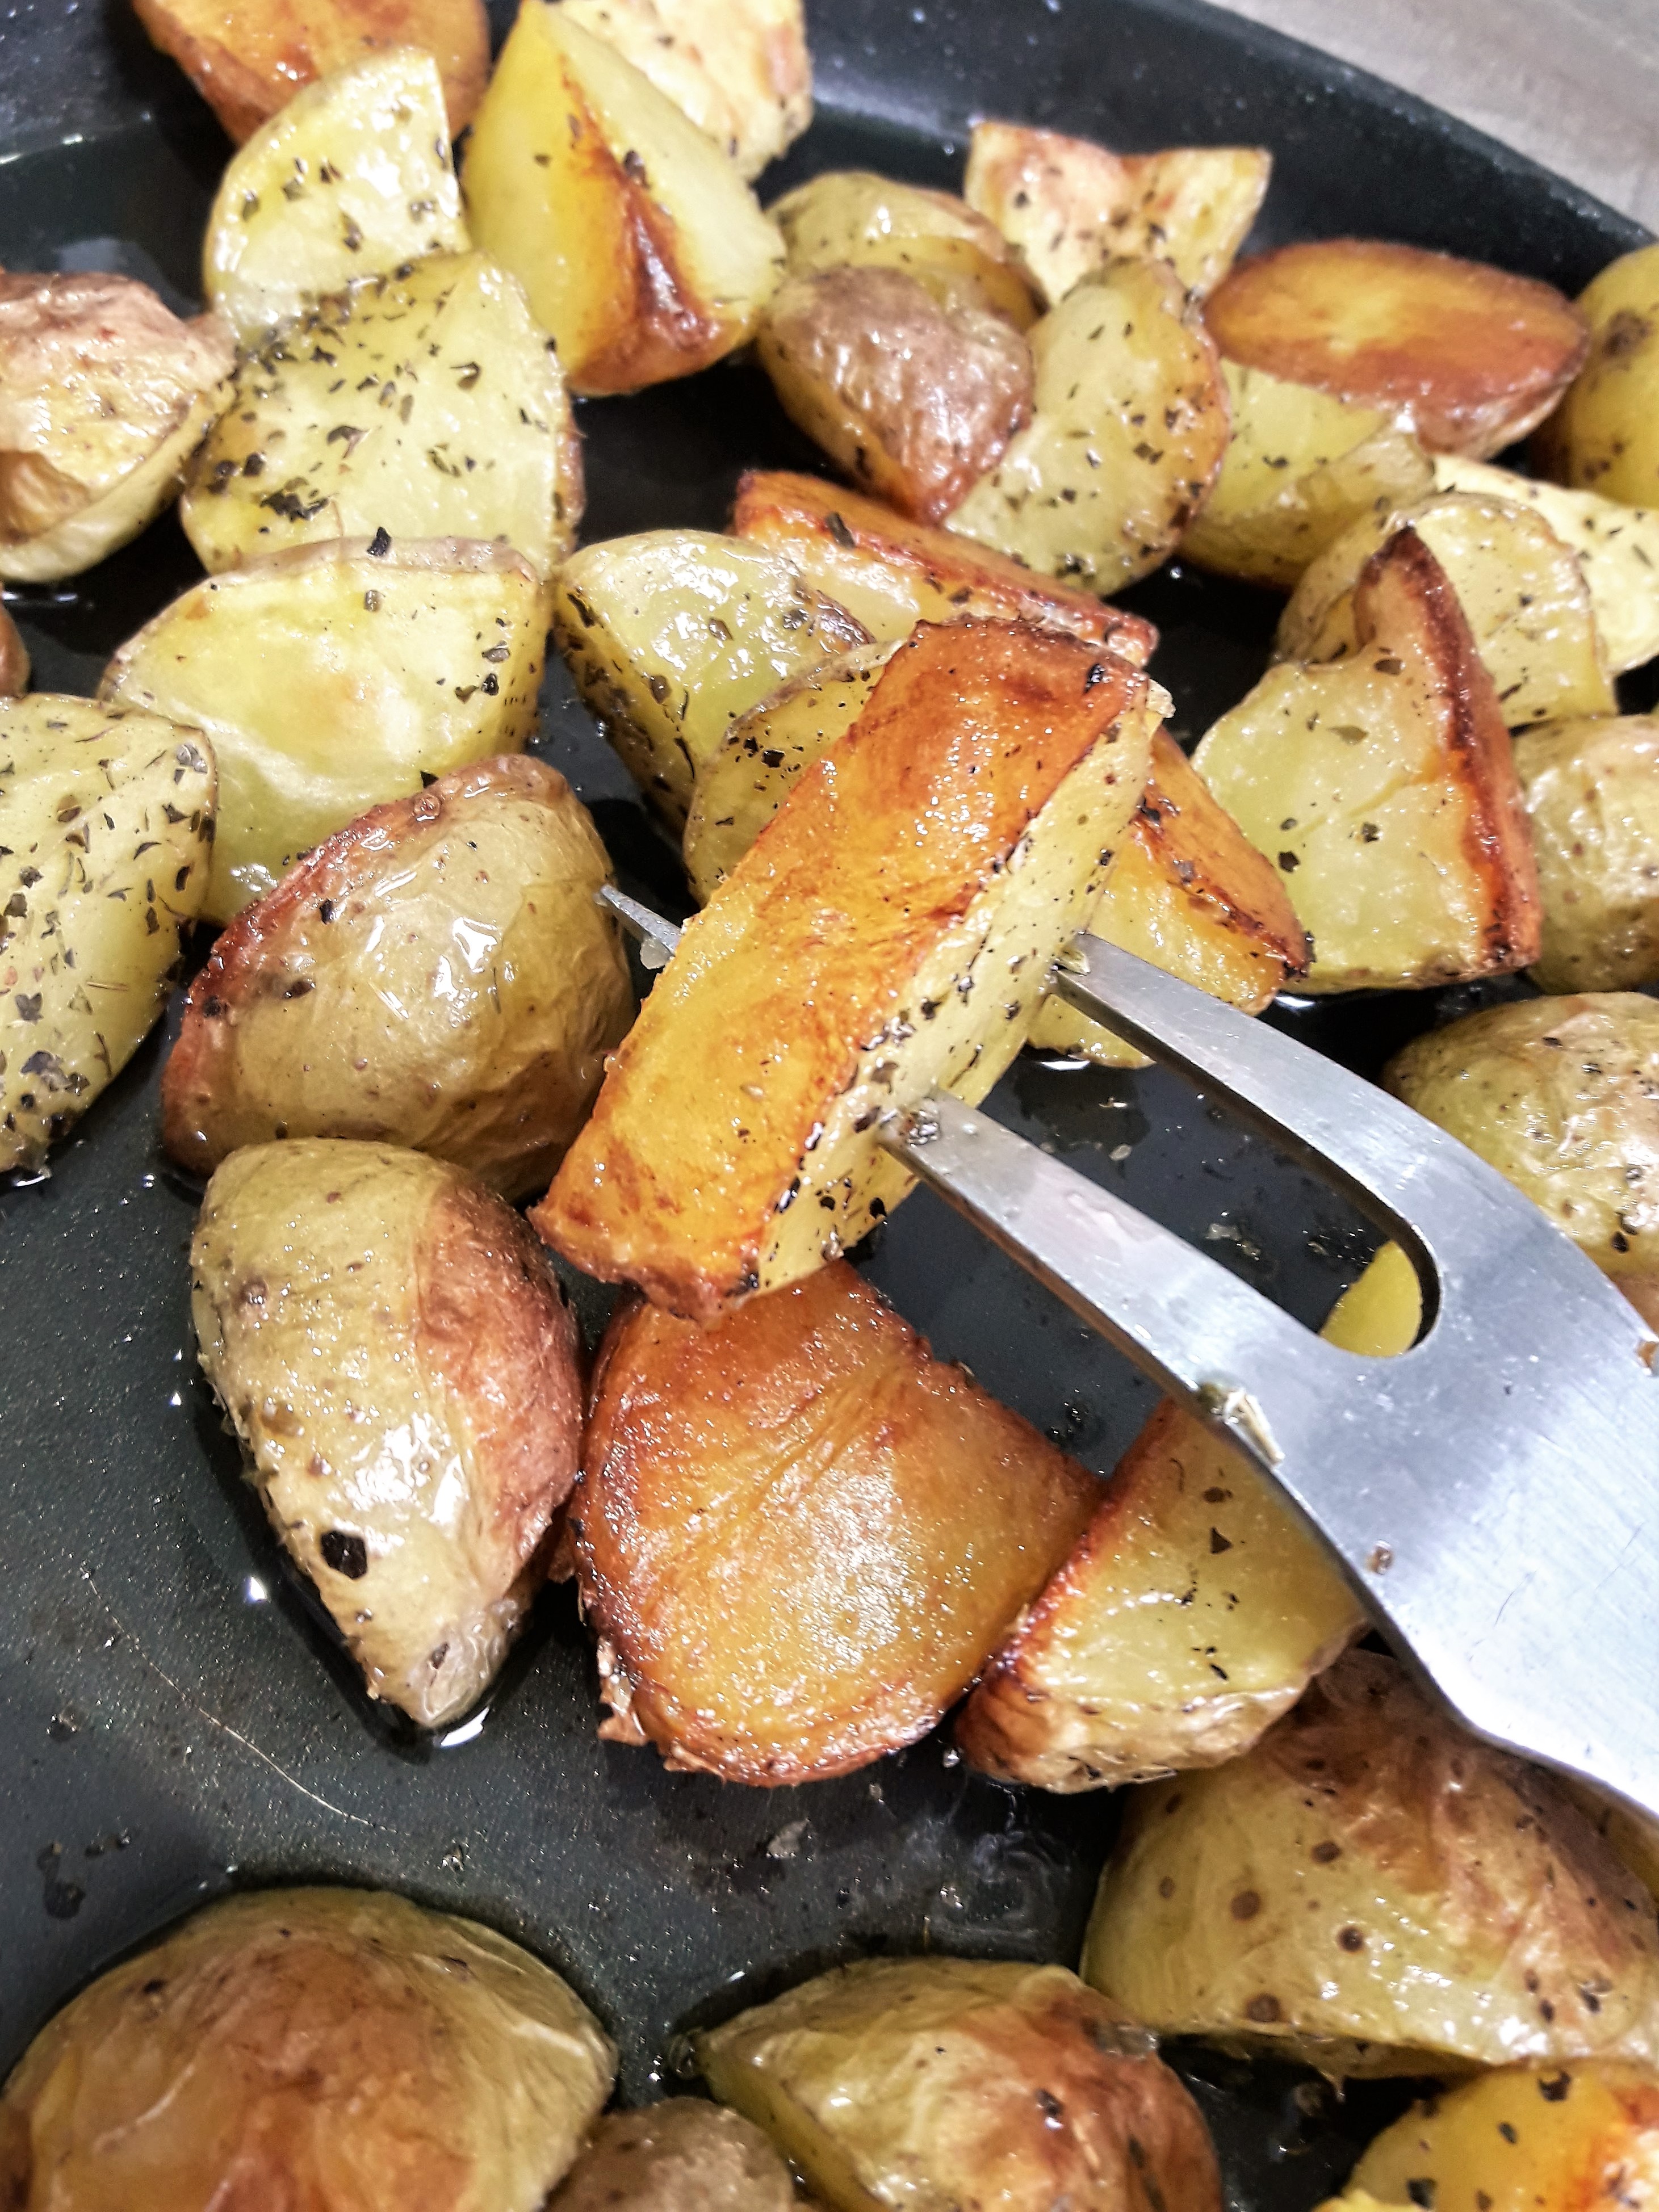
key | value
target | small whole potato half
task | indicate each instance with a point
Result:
(929, 2084)
(854, 219)
(1592, 795)
(1604, 437)
(440, 974)
(682, 2155)
(338, 2049)
(799, 1536)
(1472, 357)
(1562, 1097)
(404, 1374)
(1372, 1892)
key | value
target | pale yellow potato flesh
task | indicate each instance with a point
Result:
(1592, 795)
(428, 404)
(329, 678)
(852, 218)
(343, 2045)
(106, 830)
(353, 178)
(1604, 436)
(683, 2155)
(1372, 1892)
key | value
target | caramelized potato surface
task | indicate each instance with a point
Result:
(1372, 1892)
(890, 930)
(681, 2155)
(1592, 795)
(1471, 356)
(1604, 437)
(13, 660)
(739, 69)
(853, 219)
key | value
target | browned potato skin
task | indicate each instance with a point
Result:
(682, 2155)
(13, 660)
(914, 400)
(871, 559)
(1475, 357)
(249, 57)
(769, 1513)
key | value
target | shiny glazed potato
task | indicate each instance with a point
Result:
(891, 572)
(1301, 467)
(769, 1515)
(1068, 206)
(105, 826)
(914, 400)
(682, 2155)
(404, 1374)
(1385, 785)
(428, 404)
(1471, 356)
(641, 247)
(928, 2084)
(1562, 1097)
(1194, 1611)
(890, 930)
(335, 2048)
(671, 635)
(352, 178)
(103, 392)
(1372, 1892)
(331, 677)
(1522, 592)
(1084, 493)
(1604, 437)
(851, 218)
(1592, 795)
(441, 974)
(13, 660)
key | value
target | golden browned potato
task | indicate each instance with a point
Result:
(851, 218)
(103, 392)
(1472, 357)
(1372, 1892)
(1194, 1611)
(1068, 206)
(942, 2083)
(1384, 786)
(338, 2049)
(682, 2155)
(1127, 436)
(1632, 1837)
(1561, 1096)
(248, 61)
(739, 68)
(428, 404)
(105, 827)
(914, 400)
(641, 247)
(440, 974)
(1592, 795)
(403, 1371)
(1603, 436)
(13, 660)
(332, 677)
(890, 931)
(891, 573)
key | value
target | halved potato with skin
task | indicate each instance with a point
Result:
(851, 218)
(1603, 436)
(890, 930)
(683, 2155)
(1592, 796)
(1471, 355)
(1385, 786)
(769, 1513)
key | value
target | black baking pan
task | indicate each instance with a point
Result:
(176, 1717)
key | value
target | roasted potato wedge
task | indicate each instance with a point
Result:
(1562, 1097)
(914, 400)
(1385, 786)
(13, 660)
(1067, 206)
(891, 574)
(1604, 436)
(106, 828)
(403, 1371)
(352, 178)
(1470, 355)
(1372, 1892)
(324, 2047)
(440, 974)
(642, 250)
(890, 930)
(1522, 592)
(1592, 795)
(103, 394)
(682, 2155)
(671, 635)
(850, 218)
(1301, 467)
(913, 2083)
(428, 404)
(333, 676)
(1194, 1611)
(1127, 436)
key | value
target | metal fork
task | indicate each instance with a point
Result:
(1493, 1493)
